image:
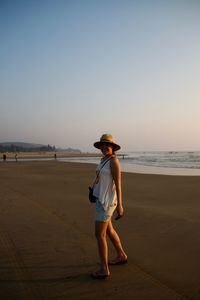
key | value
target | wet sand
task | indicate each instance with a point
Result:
(11, 156)
(47, 243)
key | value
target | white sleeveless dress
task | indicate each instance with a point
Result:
(105, 191)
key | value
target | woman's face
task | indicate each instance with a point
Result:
(106, 149)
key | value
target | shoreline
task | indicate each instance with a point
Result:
(44, 154)
(92, 159)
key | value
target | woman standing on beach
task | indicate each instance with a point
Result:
(107, 190)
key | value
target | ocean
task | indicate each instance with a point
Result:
(162, 162)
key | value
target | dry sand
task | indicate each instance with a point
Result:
(47, 243)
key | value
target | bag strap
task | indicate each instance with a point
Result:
(104, 163)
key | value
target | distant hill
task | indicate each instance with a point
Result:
(19, 146)
(30, 147)
(70, 150)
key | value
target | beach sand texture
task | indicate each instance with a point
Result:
(47, 243)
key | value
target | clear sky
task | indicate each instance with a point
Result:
(71, 70)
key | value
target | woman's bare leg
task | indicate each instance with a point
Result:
(100, 233)
(121, 255)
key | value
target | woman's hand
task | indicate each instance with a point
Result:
(120, 212)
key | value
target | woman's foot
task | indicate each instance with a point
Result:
(119, 260)
(100, 275)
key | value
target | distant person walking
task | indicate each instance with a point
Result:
(107, 190)
(16, 157)
(4, 157)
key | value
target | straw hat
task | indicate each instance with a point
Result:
(107, 138)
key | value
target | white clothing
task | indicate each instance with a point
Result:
(103, 215)
(104, 187)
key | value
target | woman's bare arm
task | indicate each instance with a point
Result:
(116, 174)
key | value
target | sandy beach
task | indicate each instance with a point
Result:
(47, 243)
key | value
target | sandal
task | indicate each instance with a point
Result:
(99, 276)
(118, 262)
